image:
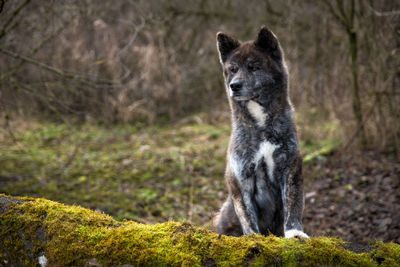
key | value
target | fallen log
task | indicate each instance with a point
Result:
(39, 232)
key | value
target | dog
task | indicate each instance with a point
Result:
(264, 164)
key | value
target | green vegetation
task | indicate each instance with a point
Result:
(151, 174)
(71, 235)
(124, 171)
(328, 146)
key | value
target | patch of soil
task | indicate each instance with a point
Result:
(355, 197)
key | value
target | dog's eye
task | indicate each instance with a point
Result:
(253, 67)
(233, 69)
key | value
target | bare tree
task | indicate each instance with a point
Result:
(149, 60)
(344, 13)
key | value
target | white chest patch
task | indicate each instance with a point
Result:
(266, 150)
(257, 111)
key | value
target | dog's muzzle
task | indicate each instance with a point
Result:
(239, 92)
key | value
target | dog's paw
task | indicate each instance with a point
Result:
(295, 233)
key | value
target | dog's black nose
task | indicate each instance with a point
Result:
(235, 86)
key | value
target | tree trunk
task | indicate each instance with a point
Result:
(37, 232)
(355, 89)
(345, 13)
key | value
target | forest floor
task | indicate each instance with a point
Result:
(155, 174)
(354, 196)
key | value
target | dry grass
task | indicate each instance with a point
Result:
(155, 62)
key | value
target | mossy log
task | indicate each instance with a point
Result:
(39, 232)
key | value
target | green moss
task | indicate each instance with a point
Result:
(387, 254)
(74, 236)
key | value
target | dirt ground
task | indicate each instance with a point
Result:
(355, 197)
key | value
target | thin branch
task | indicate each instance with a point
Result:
(66, 74)
(2, 2)
(342, 12)
(359, 128)
(48, 100)
(203, 13)
(335, 14)
(352, 8)
(12, 17)
(35, 62)
(7, 124)
(16, 67)
(384, 13)
(133, 38)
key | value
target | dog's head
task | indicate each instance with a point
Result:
(253, 70)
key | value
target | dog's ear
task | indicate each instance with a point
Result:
(268, 42)
(225, 45)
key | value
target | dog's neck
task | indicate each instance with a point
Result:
(254, 114)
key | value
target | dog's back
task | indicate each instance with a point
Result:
(263, 170)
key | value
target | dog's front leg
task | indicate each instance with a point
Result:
(293, 201)
(242, 190)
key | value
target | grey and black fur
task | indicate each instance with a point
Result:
(264, 165)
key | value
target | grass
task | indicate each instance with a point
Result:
(151, 174)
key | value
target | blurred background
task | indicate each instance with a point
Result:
(120, 106)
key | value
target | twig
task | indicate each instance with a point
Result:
(66, 74)
(16, 67)
(48, 101)
(356, 133)
(337, 16)
(13, 16)
(72, 156)
(2, 5)
(203, 13)
(384, 13)
(8, 127)
(132, 39)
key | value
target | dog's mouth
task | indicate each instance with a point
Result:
(239, 97)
